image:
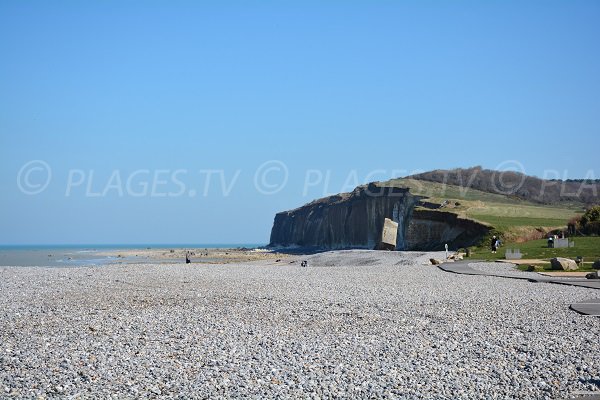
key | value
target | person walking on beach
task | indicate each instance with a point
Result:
(187, 257)
(494, 244)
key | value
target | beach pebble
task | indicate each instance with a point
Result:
(356, 324)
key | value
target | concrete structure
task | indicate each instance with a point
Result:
(561, 243)
(513, 254)
(389, 235)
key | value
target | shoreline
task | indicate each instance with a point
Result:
(58, 257)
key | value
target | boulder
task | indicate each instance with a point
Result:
(592, 275)
(596, 264)
(565, 264)
(435, 261)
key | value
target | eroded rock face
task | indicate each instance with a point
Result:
(355, 220)
(352, 220)
(431, 230)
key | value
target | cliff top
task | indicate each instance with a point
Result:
(514, 204)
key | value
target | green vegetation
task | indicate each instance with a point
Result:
(521, 214)
(438, 192)
(586, 247)
(591, 215)
(503, 223)
(512, 218)
(589, 222)
(519, 223)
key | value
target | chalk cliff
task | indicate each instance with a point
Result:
(355, 220)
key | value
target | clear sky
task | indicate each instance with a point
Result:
(118, 98)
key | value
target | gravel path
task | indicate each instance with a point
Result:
(357, 324)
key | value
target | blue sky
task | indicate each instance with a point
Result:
(359, 90)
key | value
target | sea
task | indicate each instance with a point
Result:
(90, 254)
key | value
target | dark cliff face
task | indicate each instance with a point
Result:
(431, 230)
(345, 221)
(355, 220)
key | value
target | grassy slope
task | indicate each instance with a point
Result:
(512, 218)
(508, 215)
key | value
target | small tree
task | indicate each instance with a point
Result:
(590, 221)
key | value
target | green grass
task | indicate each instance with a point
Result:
(504, 223)
(511, 217)
(586, 247)
(521, 214)
(440, 192)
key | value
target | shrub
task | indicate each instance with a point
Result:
(591, 215)
(592, 228)
(589, 222)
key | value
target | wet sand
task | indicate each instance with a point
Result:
(73, 257)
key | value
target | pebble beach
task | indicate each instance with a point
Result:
(353, 324)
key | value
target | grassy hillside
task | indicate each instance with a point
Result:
(517, 221)
(504, 216)
(513, 218)
(527, 188)
(438, 192)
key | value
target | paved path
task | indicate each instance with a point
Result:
(588, 307)
(571, 274)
